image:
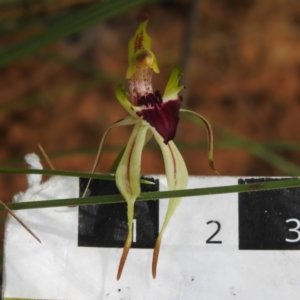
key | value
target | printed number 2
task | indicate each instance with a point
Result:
(296, 229)
(209, 240)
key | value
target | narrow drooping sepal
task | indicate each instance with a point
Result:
(210, 138)
(177, 178)
(128, 180)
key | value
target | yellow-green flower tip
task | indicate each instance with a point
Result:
(139, 51)
(172, 88)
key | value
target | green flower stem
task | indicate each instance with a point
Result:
(243, 188)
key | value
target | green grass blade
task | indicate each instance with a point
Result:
(82, 66)
(64, 173)
(74, 23)
(243, 188)
(55, 172)
(263, 152)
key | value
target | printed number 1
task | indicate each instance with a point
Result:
(296, 229)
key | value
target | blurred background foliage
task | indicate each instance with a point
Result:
(61, 60)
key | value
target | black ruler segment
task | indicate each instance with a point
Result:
(269, 220)
(106, 225)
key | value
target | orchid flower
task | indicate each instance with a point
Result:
(153, 115)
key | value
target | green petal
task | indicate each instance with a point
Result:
(128, 180)
(177, 178)
(139, 51)
(123, 96)
(172, 88)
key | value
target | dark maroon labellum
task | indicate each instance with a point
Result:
(163, 116)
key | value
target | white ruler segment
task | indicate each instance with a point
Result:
(199, 258)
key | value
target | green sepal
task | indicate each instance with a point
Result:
(172, 89)
(128, 180)
(139, 51)
(177, 178)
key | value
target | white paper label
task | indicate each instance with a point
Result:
(209, 251)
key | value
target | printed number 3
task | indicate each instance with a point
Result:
(296, 229)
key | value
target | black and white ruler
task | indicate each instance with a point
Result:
(231, 246)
